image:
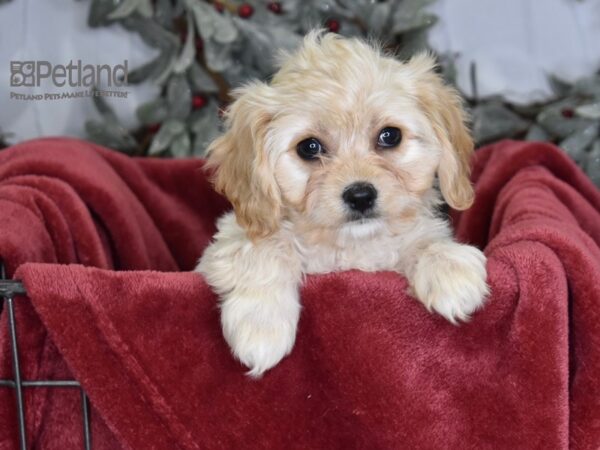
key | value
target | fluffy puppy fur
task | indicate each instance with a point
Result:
(291, 216)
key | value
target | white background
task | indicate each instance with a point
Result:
(514, 43)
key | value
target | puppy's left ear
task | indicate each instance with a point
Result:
(443, 106)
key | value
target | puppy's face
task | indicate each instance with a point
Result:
(343, 139)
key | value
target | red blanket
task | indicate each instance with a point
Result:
(370, 369)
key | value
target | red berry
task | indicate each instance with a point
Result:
(219, 6)
(153, 128)
(198, 101)
(275, 7)
(333, 25)
(245, 11)
(568, 113)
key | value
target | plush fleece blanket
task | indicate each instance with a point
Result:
(104, 245)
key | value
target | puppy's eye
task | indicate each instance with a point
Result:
(389, 137)
(309, 149)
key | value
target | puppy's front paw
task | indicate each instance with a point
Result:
(450, 278)
(260, 331)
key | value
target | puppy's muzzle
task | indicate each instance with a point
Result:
(360, 197)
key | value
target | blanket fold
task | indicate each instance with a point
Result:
(370, 369)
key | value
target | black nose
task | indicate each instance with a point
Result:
(360, 196)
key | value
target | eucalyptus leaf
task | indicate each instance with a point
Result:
(527, 111)
(189, 49)
(178, 7)
(592, 165)
(225, 31)
(218, 56)
(493, 121)
(99, 12)
(589, 111)
(560, 87)
(203, 120)
(375, 15)
(179, 97)
(422, 21)
(448, 68)
(153, 112)
(411, 15)
(124, 9)
(205, 124)
(413, 42)
(181, 146)
(263, 44)
(145, 8)
(199, 147)
(333, 8)
(104, 108)
(352, 29)
(587, 87)
(111, 135)
(200, 81)
(309, 18)
(537, 133)
(237, 74)
(152, 33)
(168, 132)
(204, 16)
(217, 31)
(4, 135)
(553, 120)
(158, 69)
(166, 70)
(142, 73)
(164, 13)
(577, 143)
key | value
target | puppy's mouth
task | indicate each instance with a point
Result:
(361, 217)
(361, 225)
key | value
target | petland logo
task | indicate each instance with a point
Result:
(30, 74)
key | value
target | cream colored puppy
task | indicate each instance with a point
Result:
(329, 167)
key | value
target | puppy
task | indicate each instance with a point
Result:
(331, 166)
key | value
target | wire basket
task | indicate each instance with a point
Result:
(10, 290)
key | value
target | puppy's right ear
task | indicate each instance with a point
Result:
(244, 172)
